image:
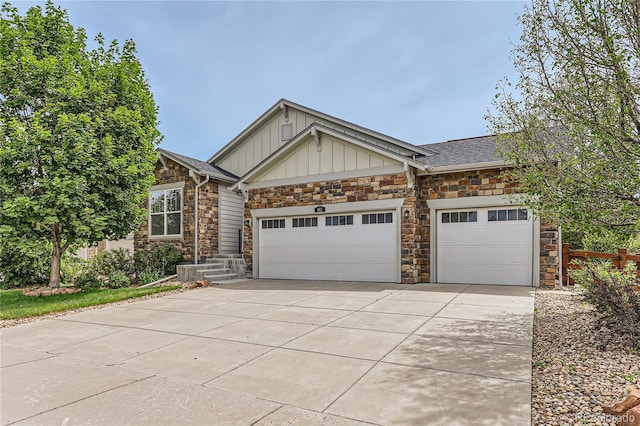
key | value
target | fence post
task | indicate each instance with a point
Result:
(565, 264)
(622, 257)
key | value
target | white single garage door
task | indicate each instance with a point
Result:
(345, 247)
(485, 246)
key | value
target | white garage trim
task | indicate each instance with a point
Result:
(349, 207)
(476, 202)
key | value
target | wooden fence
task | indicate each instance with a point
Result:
(619, 260)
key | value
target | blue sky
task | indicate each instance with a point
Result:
(419, 71)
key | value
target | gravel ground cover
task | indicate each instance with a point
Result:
(577, 367)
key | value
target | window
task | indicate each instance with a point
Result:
(371, 218)
(460, 217)
(272, 223)
(305, 222)
(165, 212)
(505, 215)
(338, 220)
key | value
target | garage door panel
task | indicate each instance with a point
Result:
(484, 252)
(332, 272)
(353, 252)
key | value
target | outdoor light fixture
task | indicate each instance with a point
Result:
(247, 223)
(406, 214)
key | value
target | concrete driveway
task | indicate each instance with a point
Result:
(279, 352)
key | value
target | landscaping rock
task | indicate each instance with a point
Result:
(578, 367)
(46, 291)
(627, 412)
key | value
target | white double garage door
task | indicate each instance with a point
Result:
(349, 246)
(488, 245)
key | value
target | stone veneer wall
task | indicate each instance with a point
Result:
(208, 214)
(488, 182)
(346, 190)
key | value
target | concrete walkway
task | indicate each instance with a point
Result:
(279, 352)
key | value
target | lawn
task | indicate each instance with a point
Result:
(13, 304)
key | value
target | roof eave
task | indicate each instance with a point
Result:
(415, 148)
(284, 102)
(277, 106)
(430, 170)
(216, 176)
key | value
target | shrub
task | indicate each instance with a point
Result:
(24, 262)
(88, 279)
(161, 259)
(107, 263)
(72, 268)
(149, 275)
(112, 269)
(118, 279)
(633, 244)
(615, 295)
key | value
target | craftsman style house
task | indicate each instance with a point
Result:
(304, 195)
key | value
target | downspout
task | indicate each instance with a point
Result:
(196, 228)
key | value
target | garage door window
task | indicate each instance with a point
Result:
(373, 218)
(272, 223)
(505, 215)
(338, 220)
(304, 222)
(460, 217)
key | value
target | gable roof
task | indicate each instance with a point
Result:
(313, 129)
(414, 150)
(461, 152)
(198, 166)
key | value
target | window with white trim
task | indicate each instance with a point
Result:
(165, 213)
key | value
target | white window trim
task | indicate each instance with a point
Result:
(166, 187)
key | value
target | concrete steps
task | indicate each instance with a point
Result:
(219, 267)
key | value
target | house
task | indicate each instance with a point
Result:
(316, 197)
(87, 252)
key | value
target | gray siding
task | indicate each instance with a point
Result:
(231, 213)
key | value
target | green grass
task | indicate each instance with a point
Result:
(13, 304)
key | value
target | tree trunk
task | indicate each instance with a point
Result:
(54, 277)
(56, 257)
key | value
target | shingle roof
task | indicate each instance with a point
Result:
(199, 166)
(480, 149)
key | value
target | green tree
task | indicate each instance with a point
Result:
(571, 125)
(78, 129)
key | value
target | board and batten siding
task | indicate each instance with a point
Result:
(335, 156)
(231, 213)
(267, 138)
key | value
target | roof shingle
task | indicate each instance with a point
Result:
(199, 166)
(481, 149)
